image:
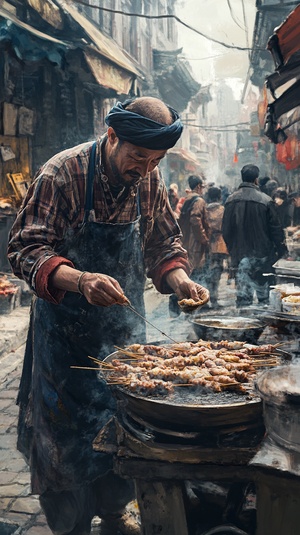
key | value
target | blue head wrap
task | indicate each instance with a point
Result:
(141, 131)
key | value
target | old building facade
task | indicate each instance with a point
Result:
(63, 64)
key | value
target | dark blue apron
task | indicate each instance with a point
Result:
(62, 408)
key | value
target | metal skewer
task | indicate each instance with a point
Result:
(147, 321)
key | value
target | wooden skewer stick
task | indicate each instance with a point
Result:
(267, 366)
(224, 385)
(130, 359)
(84, 368)
(130, 354)
(113, 383)
(119, 382)
(261, 364)
(95, 360)
(101, 363)
(183, 384)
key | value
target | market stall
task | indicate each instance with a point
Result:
(163, 439)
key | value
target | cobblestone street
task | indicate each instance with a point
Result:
(18, 508)
(20, 512)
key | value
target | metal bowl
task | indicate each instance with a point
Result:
(279, 389)
(227, 328)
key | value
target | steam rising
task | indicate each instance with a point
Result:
(280, 382)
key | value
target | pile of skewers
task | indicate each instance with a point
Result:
(157, 370)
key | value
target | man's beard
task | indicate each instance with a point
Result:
(120, 180)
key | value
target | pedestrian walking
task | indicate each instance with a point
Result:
(283, 207)
(173, 196)
(254, 237)
(194, 226)
(217, 250)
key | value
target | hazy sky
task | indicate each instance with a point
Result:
(224, 20)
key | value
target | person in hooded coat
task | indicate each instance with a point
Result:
(95, 221)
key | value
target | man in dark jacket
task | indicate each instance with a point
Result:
(254, 237)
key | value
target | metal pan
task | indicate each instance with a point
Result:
(228, 328)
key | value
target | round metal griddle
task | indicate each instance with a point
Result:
(191, 408)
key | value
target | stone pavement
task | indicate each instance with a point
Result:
(20, 513)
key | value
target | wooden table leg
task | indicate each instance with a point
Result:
(161, 507)
(278, 506)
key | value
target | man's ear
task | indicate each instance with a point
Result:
(256, 181)
(112, 136)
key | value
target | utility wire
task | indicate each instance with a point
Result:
(221, 128)
(218, 129)
(218, 125)
(233, 16)
(246, 27)
(207, 57)
(119, 12)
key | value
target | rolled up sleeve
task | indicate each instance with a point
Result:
(39, 227)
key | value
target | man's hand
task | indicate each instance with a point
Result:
(184, 287)
(103, 290)
(97, 288)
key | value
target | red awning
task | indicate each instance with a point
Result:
(285, 41)
(184, 155)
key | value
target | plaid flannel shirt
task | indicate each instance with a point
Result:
(55, 203)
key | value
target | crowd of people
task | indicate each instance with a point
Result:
(243, 232)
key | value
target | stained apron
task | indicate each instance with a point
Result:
(62, 409)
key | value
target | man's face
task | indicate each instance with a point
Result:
(129, 163)
(296, 202)
(199, 189)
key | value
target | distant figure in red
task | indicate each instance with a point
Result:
(217, 252)
(173, 196)
(194, 226)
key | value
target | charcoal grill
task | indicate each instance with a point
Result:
(161, 455)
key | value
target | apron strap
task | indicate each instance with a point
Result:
(89, 191)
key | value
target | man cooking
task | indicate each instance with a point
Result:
(95, 220)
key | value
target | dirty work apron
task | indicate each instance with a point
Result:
(67, 407)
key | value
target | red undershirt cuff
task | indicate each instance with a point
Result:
(160, 274)
(43, 287)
